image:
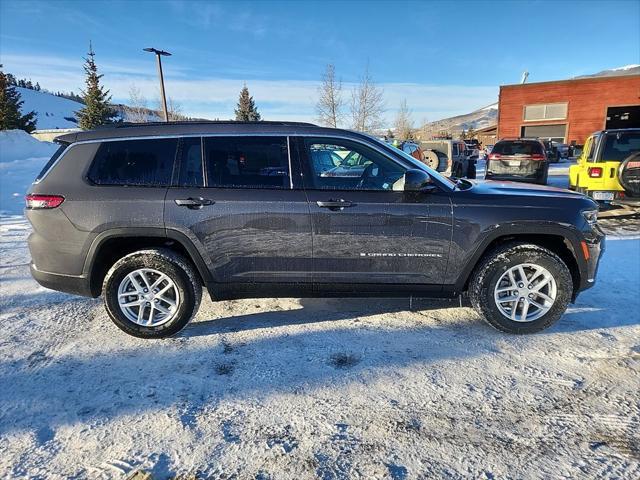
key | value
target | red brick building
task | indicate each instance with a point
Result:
(569, 110)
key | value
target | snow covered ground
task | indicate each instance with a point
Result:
(21, 158)
(53, 111)
(329, 389)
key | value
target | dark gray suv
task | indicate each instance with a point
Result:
(147, 214)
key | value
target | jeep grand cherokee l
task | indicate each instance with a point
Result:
(145, 215)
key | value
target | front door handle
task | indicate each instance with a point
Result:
(193, 203)
(335, 204)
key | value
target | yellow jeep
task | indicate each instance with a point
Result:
(608, 170)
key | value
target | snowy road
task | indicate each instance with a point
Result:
(329, 389)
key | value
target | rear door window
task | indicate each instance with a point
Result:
(134, 162)
(247, 162)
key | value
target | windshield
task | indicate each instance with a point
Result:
(619, 146)
(417, 163)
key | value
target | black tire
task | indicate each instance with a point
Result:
(544, 178)
(629, 175)
(492, 267)
(166, 261)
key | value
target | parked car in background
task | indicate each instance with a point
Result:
(551, 152)
(608, 170)
(519, 159)
(436, 159)
(458, 162)
(562, 150)
(147, 215)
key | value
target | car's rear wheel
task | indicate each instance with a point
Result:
(521, 288)
(152, 293)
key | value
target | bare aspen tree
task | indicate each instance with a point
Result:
(137, 111)
(367, 105)
(174, 110)
(330, 103)
(403, 123)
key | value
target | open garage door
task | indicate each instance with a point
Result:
(623, 117)
(557, 133)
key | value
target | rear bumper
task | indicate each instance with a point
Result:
(516, 178)
(533, 171)
(632, 202)
(76, 285)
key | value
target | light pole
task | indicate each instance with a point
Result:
(160, 53)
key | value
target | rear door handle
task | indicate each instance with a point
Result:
(194, 203)
(335, 204)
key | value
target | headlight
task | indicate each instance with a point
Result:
(591, 216)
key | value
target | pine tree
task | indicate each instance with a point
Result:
(246, 111)
(10, 104)
(97, 108)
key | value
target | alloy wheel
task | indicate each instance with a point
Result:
(525, 292)
(148, 297)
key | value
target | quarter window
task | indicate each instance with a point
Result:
(247, 162)
(134, 162)
(346, 165)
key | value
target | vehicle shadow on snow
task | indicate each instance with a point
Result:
(195, 372)
(316, 310)
(220, 358)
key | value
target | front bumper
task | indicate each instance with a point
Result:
(592, 248)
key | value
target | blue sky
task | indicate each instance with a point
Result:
(445, 58)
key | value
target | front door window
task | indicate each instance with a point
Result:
(345, 165)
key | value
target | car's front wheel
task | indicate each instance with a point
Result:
(152, 293)
(521, 288)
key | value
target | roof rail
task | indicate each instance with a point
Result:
(205, 122)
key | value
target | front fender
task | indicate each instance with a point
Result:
(462, 267)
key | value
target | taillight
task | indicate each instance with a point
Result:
(595, 172)
(40, 202)
(494, 156)
(537, 156)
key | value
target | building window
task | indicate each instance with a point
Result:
(546, 111)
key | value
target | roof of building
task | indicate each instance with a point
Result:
(575, 80)
(155, 129)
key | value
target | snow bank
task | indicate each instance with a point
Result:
(18, 144)
(53, 112)
(21, 159)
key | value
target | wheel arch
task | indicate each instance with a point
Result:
(557, 243)
(109, 246)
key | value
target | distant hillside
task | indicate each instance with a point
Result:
(453, 126)
(52, 112)
(615, 72)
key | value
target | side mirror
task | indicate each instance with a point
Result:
(416, 180)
